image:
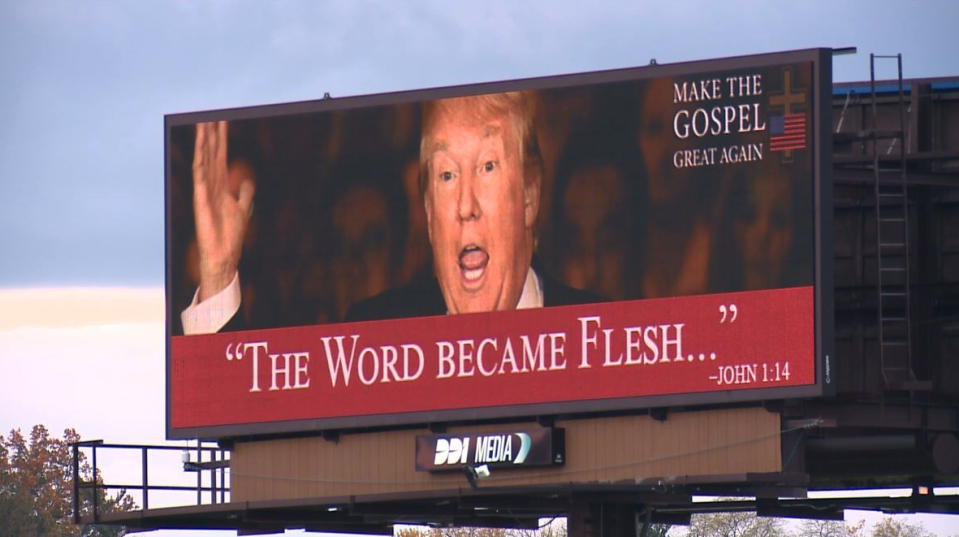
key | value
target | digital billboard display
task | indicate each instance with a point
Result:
(593, 242)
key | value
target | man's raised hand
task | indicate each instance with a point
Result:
(222, 207)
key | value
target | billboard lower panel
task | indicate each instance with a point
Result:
(394, 371)
(621, 452)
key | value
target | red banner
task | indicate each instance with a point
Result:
(629, 349)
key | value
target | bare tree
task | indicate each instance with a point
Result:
(899, 527)
(830, 528)
(737, 524)
(554, 527)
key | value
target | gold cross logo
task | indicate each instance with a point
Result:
(788, 98)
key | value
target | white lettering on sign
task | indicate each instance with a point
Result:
(451, 451)
(493, 448)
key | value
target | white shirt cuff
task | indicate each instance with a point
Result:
(211, 315)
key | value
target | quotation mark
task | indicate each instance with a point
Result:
(724, 310)
(235, 353)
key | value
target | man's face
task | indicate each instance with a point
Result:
(479, 212)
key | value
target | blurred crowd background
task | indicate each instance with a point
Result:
(338, 216)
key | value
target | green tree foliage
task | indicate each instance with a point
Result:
(36, 488)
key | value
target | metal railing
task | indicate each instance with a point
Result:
(210, 459)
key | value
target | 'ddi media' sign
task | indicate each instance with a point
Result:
(500, 449)
(590, 242)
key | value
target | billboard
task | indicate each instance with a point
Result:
(594, 242)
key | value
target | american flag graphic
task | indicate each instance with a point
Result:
(787, 132)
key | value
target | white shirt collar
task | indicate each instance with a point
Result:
(532, 296)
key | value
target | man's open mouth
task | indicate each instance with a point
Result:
(473, 261)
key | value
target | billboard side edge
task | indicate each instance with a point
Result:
(825, 309)
(167, 273)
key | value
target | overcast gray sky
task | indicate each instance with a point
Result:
(85, 86)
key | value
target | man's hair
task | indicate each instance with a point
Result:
(519, 105)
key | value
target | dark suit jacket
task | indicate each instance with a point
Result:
(425, 298)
